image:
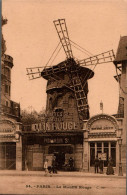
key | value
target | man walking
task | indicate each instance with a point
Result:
(54, 165)
(96, 164)
(101, 165)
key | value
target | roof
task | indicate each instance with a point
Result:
(64, 66)
(121, 54)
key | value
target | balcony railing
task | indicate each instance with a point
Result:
(8, 58)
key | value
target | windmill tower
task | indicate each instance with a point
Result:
(121, 70)
(67, 85)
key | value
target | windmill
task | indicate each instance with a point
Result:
(77, 71)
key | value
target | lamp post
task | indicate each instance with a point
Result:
(120, 164)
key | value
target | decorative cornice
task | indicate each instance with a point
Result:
(102, 135)
(102, 116)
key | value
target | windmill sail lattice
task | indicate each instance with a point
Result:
(62, 31)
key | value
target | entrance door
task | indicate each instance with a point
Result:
(60, 153)
(8, 156)
(60, 159)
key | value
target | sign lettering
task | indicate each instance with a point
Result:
(55, 126)
(6, 126)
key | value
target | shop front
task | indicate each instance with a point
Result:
(103, 150)
(10, 146)
(101, 135)
(7, 156)
(40, 146)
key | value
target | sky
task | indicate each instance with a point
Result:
(31, 39)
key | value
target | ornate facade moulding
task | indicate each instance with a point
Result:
(102, 122)
(106, 135)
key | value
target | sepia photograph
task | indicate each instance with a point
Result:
(63, 97)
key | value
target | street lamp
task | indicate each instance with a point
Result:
(120, 164)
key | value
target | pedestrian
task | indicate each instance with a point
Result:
(54, 165)
(46, 166)
(26, 165)
(110, 170)
(50, 169)
(96, 164)
(71, 164)
(101, 165)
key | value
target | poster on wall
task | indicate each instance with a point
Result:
(58, 62)
(38, 160)
(103, 156)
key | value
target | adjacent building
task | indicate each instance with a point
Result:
(10, 139)
(121, 69)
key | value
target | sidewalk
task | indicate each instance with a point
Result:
(59, 174)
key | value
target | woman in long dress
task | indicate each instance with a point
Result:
(110, 170)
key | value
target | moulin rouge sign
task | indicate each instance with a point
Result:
(55, 126)
(56, 122)
(59, 126)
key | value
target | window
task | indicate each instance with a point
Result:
(9, 90)
(7, 103)
(50, 104)
(92, 153)
(71, 102)
(6, 88)
(106, 150)
(7, 72)
(113, 153)
(103, 147)
(99, 148)
(59, 101)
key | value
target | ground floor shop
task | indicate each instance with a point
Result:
(7, 156)
(102, 139)
(27, 150)
(104, 150)
(107, 148)
(62, 146)
(10, 145)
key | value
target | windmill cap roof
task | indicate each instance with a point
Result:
(82, 71)
(121, 54)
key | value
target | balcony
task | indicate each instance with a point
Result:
(8, 59)
(13, 111)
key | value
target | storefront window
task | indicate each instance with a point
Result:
(92, 153)
(113, 153)
(99, 148)
(109, 148)
(106, 150)
(8, 156)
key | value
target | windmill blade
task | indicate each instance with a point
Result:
(34, 73)
(61, 29)
(80, 96)
(105, 57)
